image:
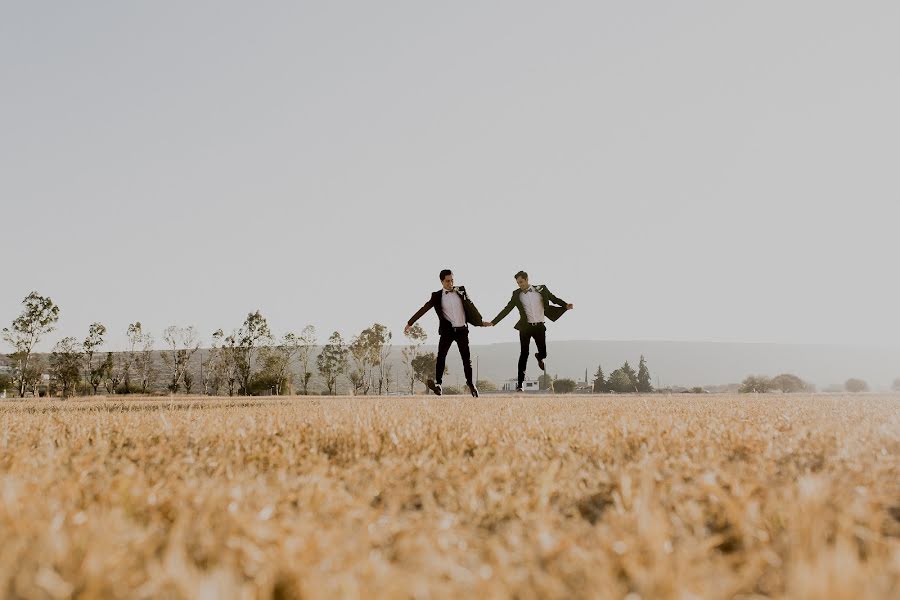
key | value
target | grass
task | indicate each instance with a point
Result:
(543, 497)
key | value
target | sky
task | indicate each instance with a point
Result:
(679, 171)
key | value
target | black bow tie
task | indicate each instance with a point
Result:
(449, 291)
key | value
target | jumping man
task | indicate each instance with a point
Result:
(454, 310)
(534, 303)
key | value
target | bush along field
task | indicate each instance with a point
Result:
(424, 497)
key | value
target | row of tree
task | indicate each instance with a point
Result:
(624, 379)
(248, 360)
(789, 383)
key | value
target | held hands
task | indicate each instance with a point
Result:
(487, 324)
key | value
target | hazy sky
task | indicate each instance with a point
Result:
(678, 170)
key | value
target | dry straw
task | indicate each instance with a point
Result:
(639, 497)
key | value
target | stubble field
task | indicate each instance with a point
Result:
(537, 497)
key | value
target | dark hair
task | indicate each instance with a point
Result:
(445, 272)
(522, 274)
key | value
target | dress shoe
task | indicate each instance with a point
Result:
(540, 361)
(473, 389)
(434, 387)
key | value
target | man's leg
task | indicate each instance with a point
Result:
(525, 341)
(443, 348)
(540, 340)
(462, 341)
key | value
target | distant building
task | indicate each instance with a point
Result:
(529, 385)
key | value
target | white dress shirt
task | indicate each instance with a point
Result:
(452, 307)
(534, 305)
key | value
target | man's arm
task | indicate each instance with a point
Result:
(557, 301)
(505, 311)
(425, 308)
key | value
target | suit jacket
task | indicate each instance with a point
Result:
(472, 314)
(551, 312)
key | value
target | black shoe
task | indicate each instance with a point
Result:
(434, 387)
(473, 389)
(540, 361)
(518, 389)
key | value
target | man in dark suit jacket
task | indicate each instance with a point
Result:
(534, 304)
(454, 310)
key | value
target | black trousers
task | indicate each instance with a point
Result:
(539, 333)
(460, 335)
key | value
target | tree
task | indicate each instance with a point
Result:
(600, 386)
(361, 375)
(632, 376)
(65, 365)
(424, 366)
(33, 374)
(382, 346)
(620, 382)
(181, 344)
(643, 377)
(856, 386)
(416, 337)
(896, 386)
(187, 377)
(564, 386)
(131, 354)
(28, 328)
(758, 384)
(93, 373)
(545, 381)
(145, 366)
(277, 361)
(223, 361)
(251, 337)
(788, 383)
(332, 361)
(370, 350)
(307, 345)
(110, 373)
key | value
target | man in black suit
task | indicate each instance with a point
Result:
(454, 310)
(534, 304)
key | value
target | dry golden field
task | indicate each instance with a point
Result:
(537, 497)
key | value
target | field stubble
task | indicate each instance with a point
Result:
(557, 497)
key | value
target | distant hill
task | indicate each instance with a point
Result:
(696, 363)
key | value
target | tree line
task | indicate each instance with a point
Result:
(624, 379)
(247, 360)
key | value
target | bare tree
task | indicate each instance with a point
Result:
(416, 336)
(36, 320)
(304, 355)
(181, 344)
(130, 356)
(145, 366)
(223, 362)
(384, 353)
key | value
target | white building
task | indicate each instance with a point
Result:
(529, 385)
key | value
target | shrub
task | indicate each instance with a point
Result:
(564, 386)
(856, 386)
